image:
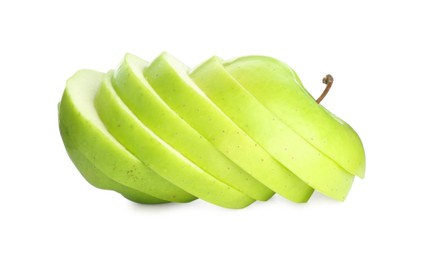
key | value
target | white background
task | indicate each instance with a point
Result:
(372, 48)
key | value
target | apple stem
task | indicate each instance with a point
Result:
(328, 80)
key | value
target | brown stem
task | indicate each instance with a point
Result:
(328, 80)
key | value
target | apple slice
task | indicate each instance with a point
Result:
(160, 156)
(278, 88)
(131, 86)
(310, 165)
(170, 80)
(83, 131)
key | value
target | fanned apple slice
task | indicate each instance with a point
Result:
(131, 86)
(160, 156)
(83, 131)
(309, 164)
(278, 88)
(171, 81)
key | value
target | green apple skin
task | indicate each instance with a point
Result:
(83, 133)
(267, 130)
(170, 80)
(160, 156)
(99, 180)
(278, 88)
(131, 86)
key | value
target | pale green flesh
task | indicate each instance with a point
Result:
(158, 155)
(98, 179)
(170, 80)
(277, 87)
(131, 86)
(82, 130)
(266, 129)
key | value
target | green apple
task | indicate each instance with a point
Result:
(279, 89)
(319, 171)
(170, 79)
(95, 151)
(131, 86)
(160, 156)
(228, 132)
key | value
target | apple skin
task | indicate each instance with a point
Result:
(279, 89)
(83, 133)
(158, 155)
(134, 90)
(99, 180)
(170, 79)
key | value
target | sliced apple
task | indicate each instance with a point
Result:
(278, 88)
(295, 153)
(170, 80)
(83, 131)
(160, 156)
(229, 132)
(131, 86)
